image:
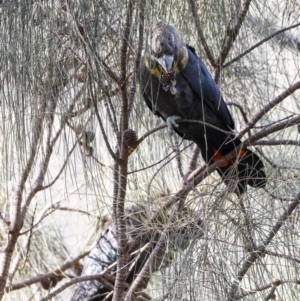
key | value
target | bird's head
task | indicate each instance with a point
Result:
(166, 50)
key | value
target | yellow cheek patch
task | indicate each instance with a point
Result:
(156, 72)
(176, 68)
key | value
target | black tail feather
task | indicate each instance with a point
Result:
(247, 170)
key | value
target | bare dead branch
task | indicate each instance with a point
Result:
(269, 106)
(39, 278)
(288, 257)
(98, 277)
(4, 225)
(61, 170)
(193, 161)
(273, 284)
(119, 205)
(271, 129)
(240, 107)
(259, 44)
(277, 142)
(197, 22)
(113, 155)
(231, 33)
(257, 252)
(152, 263)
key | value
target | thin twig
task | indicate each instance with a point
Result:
(272, 284)
(61, 170)
(39, 278)
(113, 155)
(288, 257)
(193, 161)
(259, 43)
(257, 252)
(179, 164)
(231, 33)
(98, 277)
(158, 162)
(269, 106)
(152, 263)
(197, 23)
(277, 142)
(139, 47)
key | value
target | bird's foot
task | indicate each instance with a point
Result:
(171, 122)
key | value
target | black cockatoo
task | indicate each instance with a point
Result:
(175, 82)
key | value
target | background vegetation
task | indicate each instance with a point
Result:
(69, 75)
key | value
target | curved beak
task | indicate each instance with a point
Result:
(166, 62)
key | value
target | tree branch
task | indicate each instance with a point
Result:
(269, 106)
(197, 23)
(277, 142)
(259, 44)
(231, 33)
(119, 205)
(272, 284)
(41, 277)
(151, 264)
(260, 250)
(113, 155)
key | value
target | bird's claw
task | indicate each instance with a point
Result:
(173, 89)
(171, 122)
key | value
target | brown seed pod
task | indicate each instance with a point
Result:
(130, 138)
(49, 282)
(168, 78)
(86, 137)
(87, 150)
(81, 76)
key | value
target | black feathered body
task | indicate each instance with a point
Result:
(198, 98)
(101, 256)
(104, 253)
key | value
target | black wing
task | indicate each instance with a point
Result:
(146, 73)
(101, 256)
(202, 83)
